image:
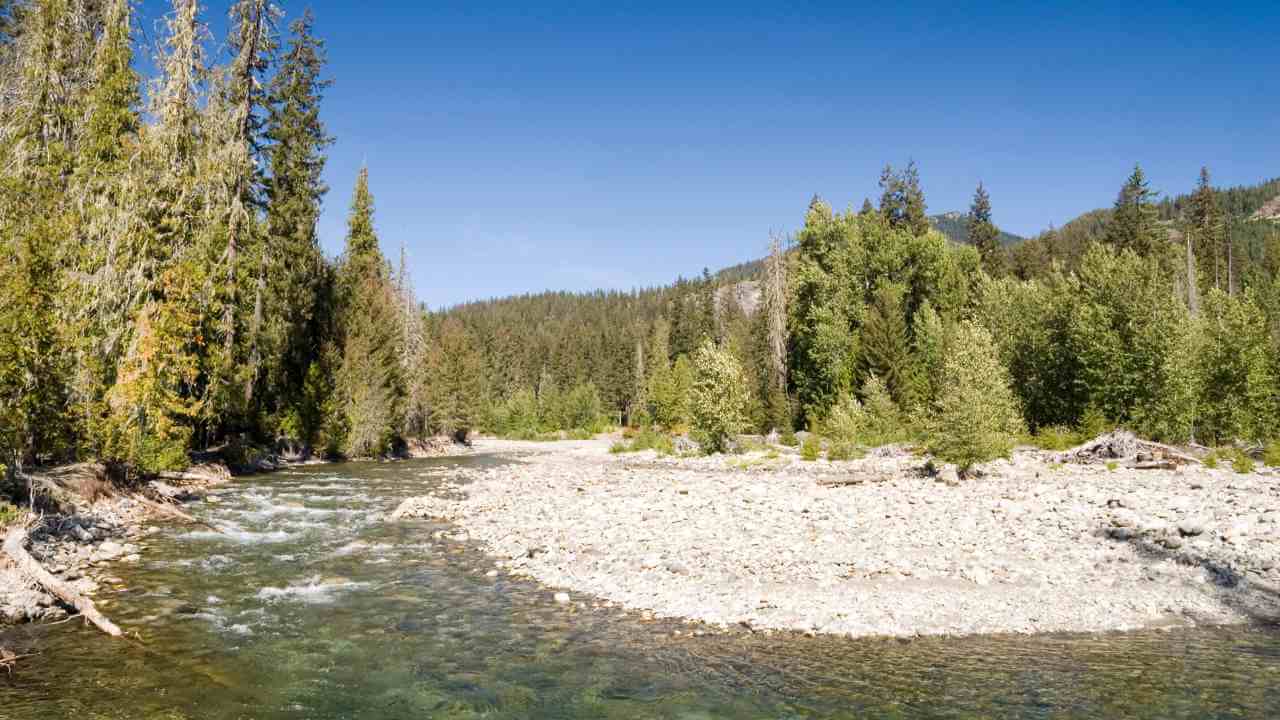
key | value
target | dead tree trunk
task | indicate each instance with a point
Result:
(15, 547)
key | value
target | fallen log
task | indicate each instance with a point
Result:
(15, 547)
(1154, 465)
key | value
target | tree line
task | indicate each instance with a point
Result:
(165, 290)
(869, 326)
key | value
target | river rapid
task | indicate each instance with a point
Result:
(308, 605)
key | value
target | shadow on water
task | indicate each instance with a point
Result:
(309, 606)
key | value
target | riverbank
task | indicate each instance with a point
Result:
(95, 525)
(878, 547)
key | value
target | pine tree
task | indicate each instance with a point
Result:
(370, 385)
(1206, 233)
(886, 349)
(983, 233)
(1133, 224)
(107, 220)
(456, 370)
(233, 236)
(294, 190)
(901, 199)
(976, 416)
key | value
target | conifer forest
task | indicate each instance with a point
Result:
(165, 293)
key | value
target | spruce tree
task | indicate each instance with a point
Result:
(1133, 224)
(370, 383)
(456, 370)
(1206, 233)
(983, 234)
(296, 154)
(902, 200)
(886, 349)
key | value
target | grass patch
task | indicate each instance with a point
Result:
(789, 439)
(1211, 460)
(1238, 459)
(1113, 466)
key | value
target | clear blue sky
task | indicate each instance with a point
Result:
(516, 147)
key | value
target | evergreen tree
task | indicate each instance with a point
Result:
(975, 417)
(1133, 224)
(457, 380)
(886, 350)
(1206, 233)
(901, 199)
(294, 192)
(983, 234)
(107, 221)
(369, 384)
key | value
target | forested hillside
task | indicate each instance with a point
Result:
(1160, 315)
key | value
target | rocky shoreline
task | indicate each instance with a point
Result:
(94, 529)
(878, 546)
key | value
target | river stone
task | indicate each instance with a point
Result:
(562, 598)
(1191, 527)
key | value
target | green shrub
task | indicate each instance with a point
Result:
(1271, 454)
(811, 448)
(1095, 423)
(874, 422)
(788, 438)
(1056, 437)
(646, 439)
(1211, 460)
(844, 451)
(1242, 463)
(8, 514)
(976, 416)
(719, 397)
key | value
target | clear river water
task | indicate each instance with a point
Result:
(307, 605)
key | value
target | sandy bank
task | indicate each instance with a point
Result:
(1032, 547)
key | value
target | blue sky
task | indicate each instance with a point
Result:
(516, 147)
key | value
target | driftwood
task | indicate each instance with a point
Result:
(1122, 445)
(15, 547)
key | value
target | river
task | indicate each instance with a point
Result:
(307, 605)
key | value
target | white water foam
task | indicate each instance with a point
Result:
(314, 591)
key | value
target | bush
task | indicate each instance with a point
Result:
(976, 416)
(788, 438)
(8, 514)
(873, 422)
(844, 451)
(646, 439)
(1238, 459)
(1242, 463)
(719, 397)
(1271, 454)
(1056, 437)
(811, 448)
